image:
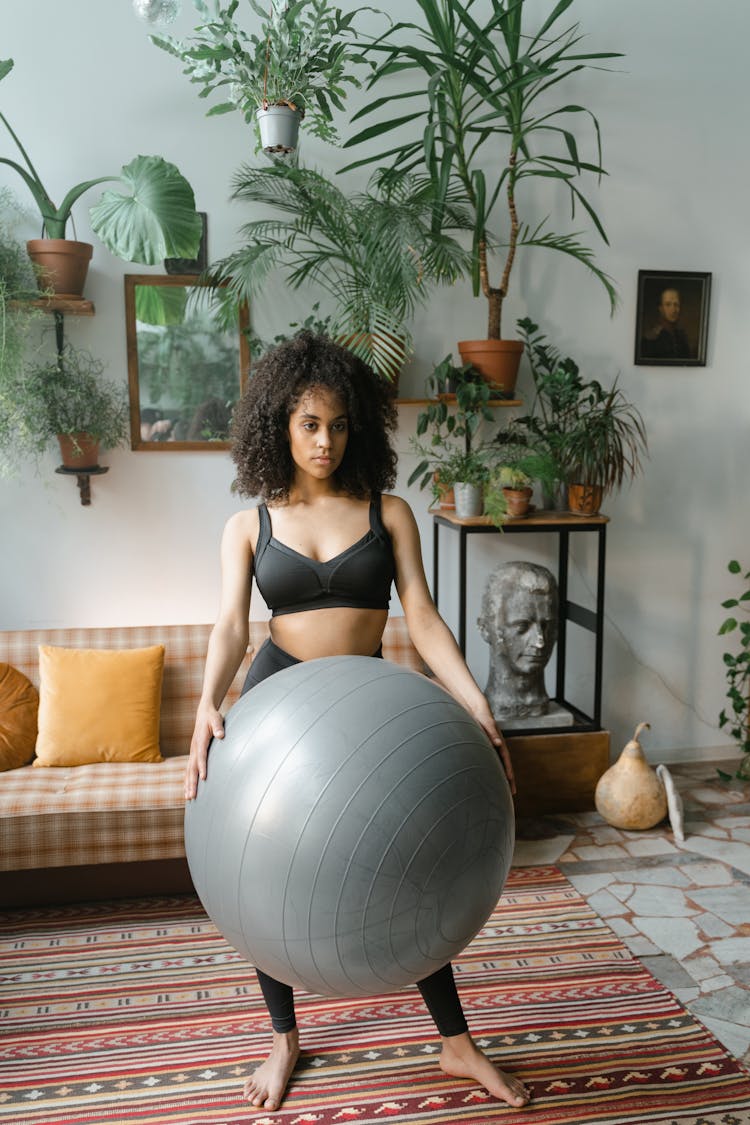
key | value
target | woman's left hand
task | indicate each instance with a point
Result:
(493, 732)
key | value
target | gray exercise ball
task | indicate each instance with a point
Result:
(355, 829)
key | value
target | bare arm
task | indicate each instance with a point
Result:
(431, 636)
(227, 644)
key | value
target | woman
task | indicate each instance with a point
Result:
(311, 438)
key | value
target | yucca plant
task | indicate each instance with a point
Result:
(375, 253)
(478, 90)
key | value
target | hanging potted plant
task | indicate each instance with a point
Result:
(67, 401)
(374, 252)
(296, 66)
(479, 89)
(156, 220)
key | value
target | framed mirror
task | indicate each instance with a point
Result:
(186, 368)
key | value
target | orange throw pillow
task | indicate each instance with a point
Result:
(99, 705)
(19, 703)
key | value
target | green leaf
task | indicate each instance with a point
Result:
(734, 567)
(157, 220)
(160, 304)
(728, 626)
(6, 65)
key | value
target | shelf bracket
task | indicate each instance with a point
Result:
(83, 479)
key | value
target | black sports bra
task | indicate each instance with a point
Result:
(358, 578)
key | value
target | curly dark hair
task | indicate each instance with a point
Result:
(260, 424)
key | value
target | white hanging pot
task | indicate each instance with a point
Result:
(279, 128)
(469, 499)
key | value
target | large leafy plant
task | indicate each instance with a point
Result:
(374, 253)
(303, 55)
(735, 716)
(155, 219)
(448, 435)
(479, 89)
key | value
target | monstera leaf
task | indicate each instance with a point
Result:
(156, 220)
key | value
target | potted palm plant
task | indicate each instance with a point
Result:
(64, 400)
(374, 252)
(478, 89)
(297, 65)
(156, 219)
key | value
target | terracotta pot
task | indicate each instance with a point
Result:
(63, 264)
(79, 451)
(279, 129)
(518, 500)
(585, 499)
(446, 497)
(497, 360)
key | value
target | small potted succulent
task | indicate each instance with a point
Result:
(295, 66)
(510, 484)
(156, 220)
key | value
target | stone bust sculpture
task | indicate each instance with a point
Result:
(519, 622)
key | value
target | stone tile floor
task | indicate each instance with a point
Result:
(683, 908)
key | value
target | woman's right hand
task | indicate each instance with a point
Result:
(208, 724)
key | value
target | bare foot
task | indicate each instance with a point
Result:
(266, 1086)
(461, 1058)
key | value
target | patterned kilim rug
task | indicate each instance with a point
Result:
(139, 1012)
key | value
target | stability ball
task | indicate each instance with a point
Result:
(355, 829)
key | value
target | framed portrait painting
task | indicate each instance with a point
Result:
(672, 318)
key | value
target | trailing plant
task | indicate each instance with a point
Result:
(375, 252)
(64, 395)
(477, 89)
(17, 285)
(156, 220)
(304, 55)
(735, 717)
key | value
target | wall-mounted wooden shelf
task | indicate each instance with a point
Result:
(69, 306)
(83, 477)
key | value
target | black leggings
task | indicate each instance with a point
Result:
(438, 989)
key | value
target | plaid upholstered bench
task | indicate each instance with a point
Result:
(114, 829)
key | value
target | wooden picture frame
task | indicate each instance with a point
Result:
(186, 368)
(672, 318)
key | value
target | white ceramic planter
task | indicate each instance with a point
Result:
(469, 500)
(279, 129)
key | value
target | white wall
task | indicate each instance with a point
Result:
(673, 126)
